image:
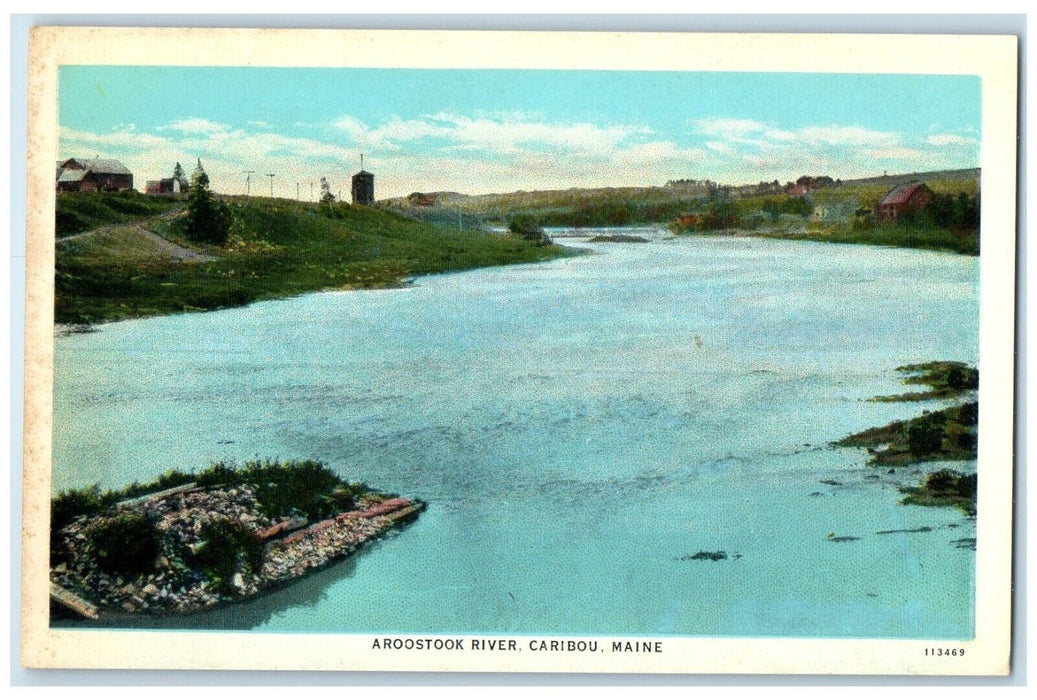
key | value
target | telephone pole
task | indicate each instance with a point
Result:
(271, 176)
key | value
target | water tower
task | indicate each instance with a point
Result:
(363, 186)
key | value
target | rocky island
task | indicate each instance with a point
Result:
(942, 435)
(189, 542)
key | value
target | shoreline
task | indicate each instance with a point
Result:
(894, 241)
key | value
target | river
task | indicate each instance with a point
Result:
(581, 429)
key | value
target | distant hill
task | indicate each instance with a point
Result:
(657, 202)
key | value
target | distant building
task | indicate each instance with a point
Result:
(167, 185)
(363, 188)
(422, 199)
(93, 175)
(911, 196)
(685, 220)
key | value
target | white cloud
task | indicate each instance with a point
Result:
(194, 125)
(852, 136)
(895, 153)
(729, 128)
(500, 133)
(950, 140)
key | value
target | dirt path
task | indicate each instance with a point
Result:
(175, 251)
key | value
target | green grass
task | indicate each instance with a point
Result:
(925, 238)
(83, 211)
(278, 248)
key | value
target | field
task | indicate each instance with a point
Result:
(277, 248)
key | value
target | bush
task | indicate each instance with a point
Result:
(525, 224)
(125, 544)
(924, 436)
(968, 414)
(208, 220)
(307, 487)
(229, 546)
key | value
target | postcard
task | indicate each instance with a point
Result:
(519, 351)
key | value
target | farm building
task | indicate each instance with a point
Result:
(830, 213)
(684, 220)
(363, 188)
(911, 196)
(93, 175)
(167, 185)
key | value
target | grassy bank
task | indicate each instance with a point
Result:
(82, 211)
(277, 248)
(925, 238)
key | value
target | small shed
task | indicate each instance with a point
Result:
(167, 185)
(911, 196)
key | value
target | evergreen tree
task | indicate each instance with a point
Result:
(208, 219)
(178, 175)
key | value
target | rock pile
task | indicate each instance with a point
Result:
(177, 582)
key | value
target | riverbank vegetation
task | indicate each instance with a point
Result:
(847, 214)
(947, 434)
(946, 380)
(814, 208)
(274, 248)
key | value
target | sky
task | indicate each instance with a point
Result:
(483, 131)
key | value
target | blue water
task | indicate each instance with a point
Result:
(579, 428)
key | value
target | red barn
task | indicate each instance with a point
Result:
(903, 198)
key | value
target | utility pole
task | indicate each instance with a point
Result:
(311, 190)
(248, 181)
(271, 176)
(297, 191)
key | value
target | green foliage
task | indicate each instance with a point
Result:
(325, 192)
(525, 224)
(946, 380)
(794, 206)
(229, 546)
(207, 220)
(968, 414)
(178, 175)
(945, 487)
(924, 435)
(281, 249)
(282, 489)
(956, 212)
(125, 544)
(719, 214)
(76, 212)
